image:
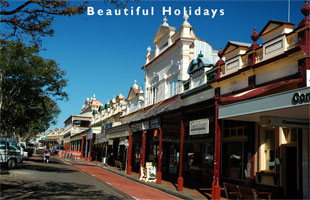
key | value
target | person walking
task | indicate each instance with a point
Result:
(47, 154)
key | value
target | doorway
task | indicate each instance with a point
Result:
(290, 171)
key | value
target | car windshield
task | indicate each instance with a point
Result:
(15, 146)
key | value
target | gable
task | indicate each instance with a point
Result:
(273, 25)
(162, 31)
(132, 93)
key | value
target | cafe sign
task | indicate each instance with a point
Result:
(198, 127)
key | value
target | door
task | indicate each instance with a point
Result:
(290, 171)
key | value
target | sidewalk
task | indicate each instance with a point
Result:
(131, 183)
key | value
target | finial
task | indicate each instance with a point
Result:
(135, 85)
(149, 49)
(185, 17)
(141, 89)
(220, 53)
(165, 21)
(305, 10)
(94, 96)
(254, 36)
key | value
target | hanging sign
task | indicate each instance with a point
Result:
(155, 123)
(198, 127)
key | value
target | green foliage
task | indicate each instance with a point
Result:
(30, 86)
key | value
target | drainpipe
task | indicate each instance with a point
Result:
(129, 168)
(180, 178)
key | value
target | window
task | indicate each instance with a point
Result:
(152, 95)
(233, 128)
(153, 90)
(173, 71)
(173, 82)
(235, 159)
(163, 46)
(269, 141)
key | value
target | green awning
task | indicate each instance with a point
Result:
(95, 112)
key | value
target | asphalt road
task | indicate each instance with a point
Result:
(34, 179)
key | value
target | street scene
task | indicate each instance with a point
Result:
(154, 100)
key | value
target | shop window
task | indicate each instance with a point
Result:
(290, 134)
(233, 128)
(235, 159)
(270, 150)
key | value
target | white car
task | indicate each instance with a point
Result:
(10, 154)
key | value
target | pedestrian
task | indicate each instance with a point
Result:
(47, 154)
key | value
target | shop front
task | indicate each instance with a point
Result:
(279, 128)
(118, 142)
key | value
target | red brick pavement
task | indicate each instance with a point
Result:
(134, 189)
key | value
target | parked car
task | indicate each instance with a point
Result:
(10, 155)
(21, 149)
(26, 149)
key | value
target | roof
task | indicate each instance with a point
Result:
(236, 44)
(135, 91)
(279, 23)
(197, 64)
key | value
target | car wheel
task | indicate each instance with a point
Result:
(12, 163)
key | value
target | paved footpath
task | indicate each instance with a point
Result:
(133, 189)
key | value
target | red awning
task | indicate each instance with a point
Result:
(258, 91)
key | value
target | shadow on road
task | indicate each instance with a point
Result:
(50, 190)
(46, 168)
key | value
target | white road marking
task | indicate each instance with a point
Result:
(135, 198)
(108, 183)
(93, 175)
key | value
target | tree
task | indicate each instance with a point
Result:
(29, 88)
(34, 17)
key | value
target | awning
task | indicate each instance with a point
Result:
(256, 92)
(293, 104)
(117, 131)
(172, 103)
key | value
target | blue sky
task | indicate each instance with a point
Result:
(103, 55)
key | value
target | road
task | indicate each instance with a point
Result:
(34, 179)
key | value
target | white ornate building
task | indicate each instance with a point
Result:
(166, 67)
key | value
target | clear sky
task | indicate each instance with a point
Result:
(103, 55)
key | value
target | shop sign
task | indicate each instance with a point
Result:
(136, 127)
(155, 123)
(200, 126)
(284, 122)
(301, 98)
